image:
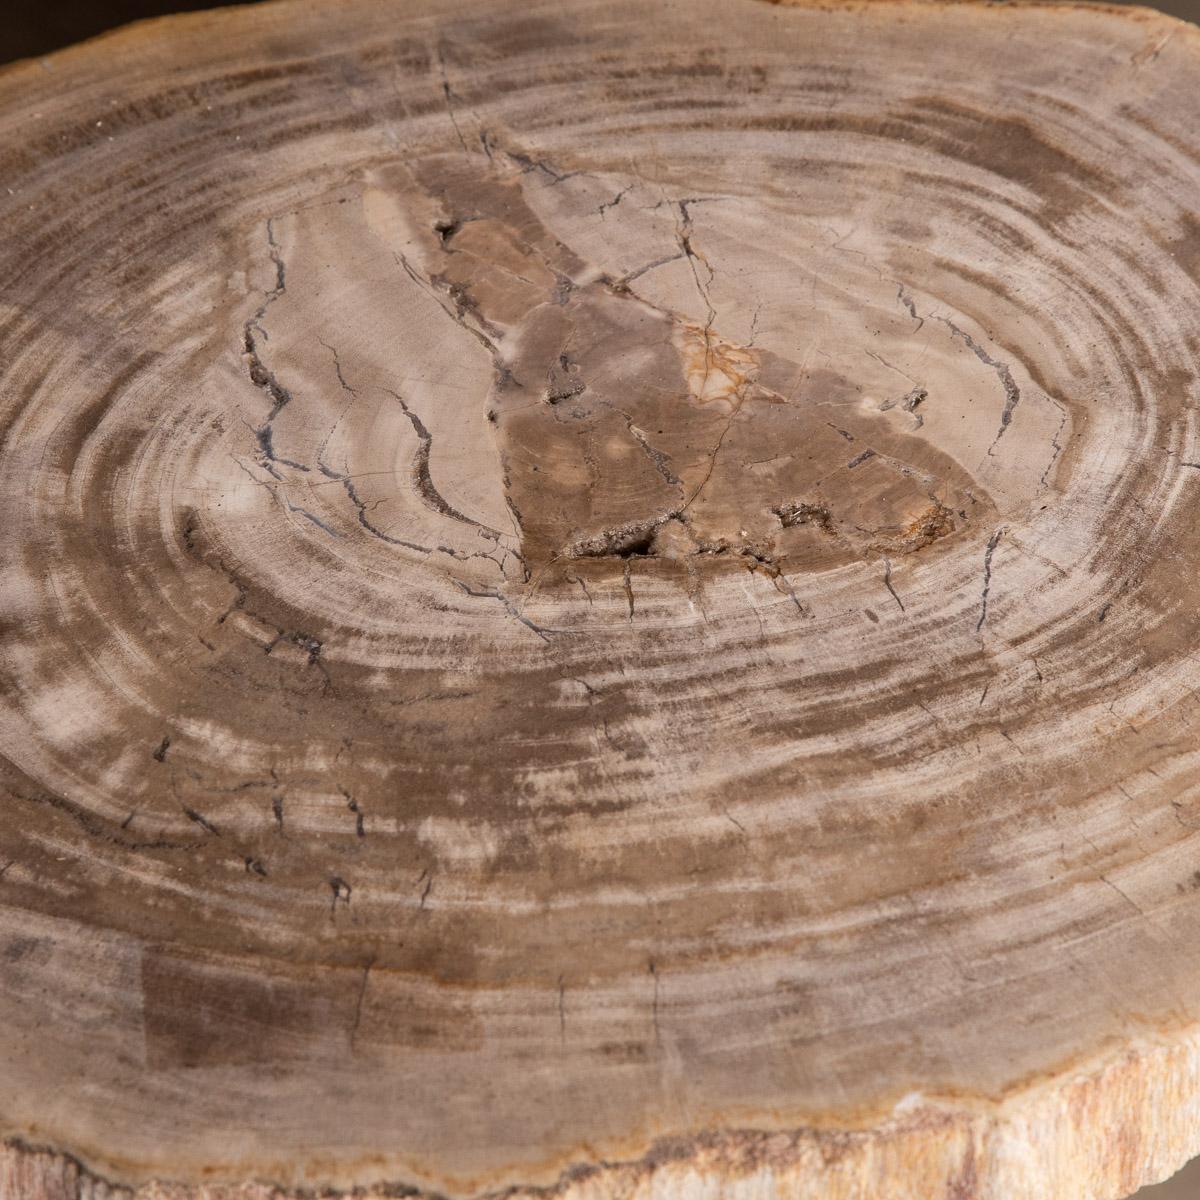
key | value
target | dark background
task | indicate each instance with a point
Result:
(30, 27)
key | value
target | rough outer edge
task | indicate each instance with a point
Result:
(1102, 1133)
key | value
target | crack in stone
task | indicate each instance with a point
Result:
(448, 94)
(458, 314)
(425, 487)
(805, 514)
(907, 301)
(310, 516)
(423, 481)
(283, 501)
(360, 507)
(993, 541)
(632, 540)
(512, 610)
(615, 200)
(1012, 393)
(887, 583)
(622, 284)
(202, 821)
(260, 374)
(1057, 446)
(684, 237)
(96, 828)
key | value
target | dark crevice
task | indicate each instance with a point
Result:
(625, 541)
(909, 403)
(907, 301)
(446, 230)
(426, 489)
(512, 610)
(562, 383)
(528, 163)
(192, 539)
(360, 508)
(352, 805)
(887, 583)
(203, 822)
(993, 541)
(1012, 393)
(341, 891)
(260, 374)
(791, 515)
(97, 828)
(615, 200)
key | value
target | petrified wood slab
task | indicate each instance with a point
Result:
(601, 599)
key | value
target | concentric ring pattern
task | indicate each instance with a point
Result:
(586, 579)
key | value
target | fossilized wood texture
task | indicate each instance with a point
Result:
(601, 599)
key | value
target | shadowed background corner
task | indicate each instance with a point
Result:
(1189, 10)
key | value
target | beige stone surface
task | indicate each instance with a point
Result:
(600, 600)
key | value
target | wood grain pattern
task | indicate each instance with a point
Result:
(601, 601)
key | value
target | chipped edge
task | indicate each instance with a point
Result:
(1129, 1119)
